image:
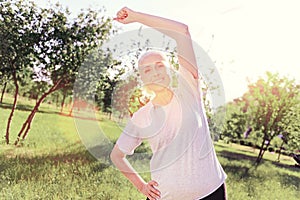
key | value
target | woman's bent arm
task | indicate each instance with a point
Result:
(120, 161)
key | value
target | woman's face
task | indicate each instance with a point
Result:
(153, 71)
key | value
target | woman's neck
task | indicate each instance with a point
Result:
(163, 97)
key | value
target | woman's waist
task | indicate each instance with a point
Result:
(188, 186)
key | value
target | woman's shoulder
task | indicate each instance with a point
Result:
(142, 112)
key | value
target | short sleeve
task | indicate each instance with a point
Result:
(187, 84)
(129, 140)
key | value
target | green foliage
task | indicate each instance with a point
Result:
(67, 42)
(97, 78)
(128, 97)
(19, 33)
(234, 123)
(47, 41)
(235, 126)
(270, 108)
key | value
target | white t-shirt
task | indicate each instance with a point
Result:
(184, 161)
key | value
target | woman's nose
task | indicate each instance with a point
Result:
(156, 73)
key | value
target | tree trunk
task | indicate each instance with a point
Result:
(278, 158)
(130, 112)
(13, 108)
(3, 91)
(56, 101)
(27, 124)
(261, 152)
(36, 98)
(33, 112)
(71, 111)
(63, 102)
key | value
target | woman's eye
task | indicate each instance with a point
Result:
(147, 71)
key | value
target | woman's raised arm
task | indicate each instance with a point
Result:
(176, 30)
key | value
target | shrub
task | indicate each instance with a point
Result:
(271, 149)
(250, 144)
(234, 141)
(242, 142)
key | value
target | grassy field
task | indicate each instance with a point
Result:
(54, 164)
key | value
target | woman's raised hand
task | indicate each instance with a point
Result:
(125, 16)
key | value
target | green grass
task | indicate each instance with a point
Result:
(270, 180)
(52, 163)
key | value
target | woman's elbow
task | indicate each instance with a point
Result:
(112, 156)
(185, 30)
(116, 154)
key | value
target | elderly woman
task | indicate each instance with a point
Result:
(184, 164)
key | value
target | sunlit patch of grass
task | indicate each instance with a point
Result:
(110, 129)
(269, 180)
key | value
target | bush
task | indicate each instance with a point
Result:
(250, 144)
(242, 142)
(286, 153)
(226, 140)
(234, 141)
(271, 149)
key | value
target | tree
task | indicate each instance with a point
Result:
(64, 46)
(19, 33)
(128, 97)
(66, 91)
(290, 137)
(107, 85)
(4, 79)
(97, 78)
(235, 126)
(270, 106)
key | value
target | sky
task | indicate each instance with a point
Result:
(245, 38)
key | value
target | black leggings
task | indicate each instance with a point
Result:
(219, 194)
